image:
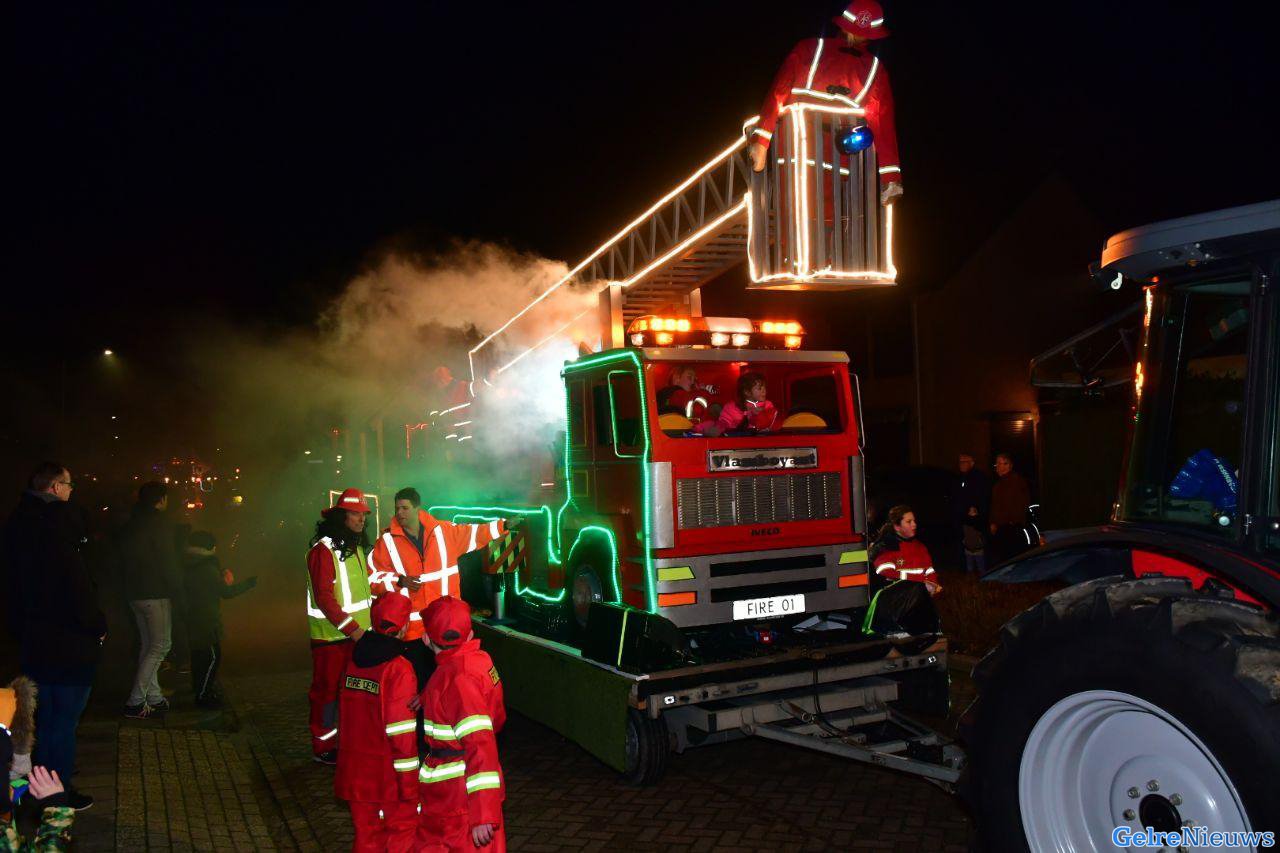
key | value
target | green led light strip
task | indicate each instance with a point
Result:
(583, 364)
(472, 512)
(613, 414)
(613, 555)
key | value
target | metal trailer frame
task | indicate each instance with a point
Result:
(833, 697)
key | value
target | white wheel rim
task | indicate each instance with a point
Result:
(1089, 766)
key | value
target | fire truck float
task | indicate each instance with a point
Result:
(684, 589)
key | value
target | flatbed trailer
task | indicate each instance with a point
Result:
(836, 695)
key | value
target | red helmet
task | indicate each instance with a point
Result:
(447, 621)
(390, 613)
(863, 18)
(351, 500)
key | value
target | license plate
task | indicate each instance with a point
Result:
(765, 608)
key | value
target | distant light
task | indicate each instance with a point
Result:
(108, 352)
(306, 453)
(113, 417)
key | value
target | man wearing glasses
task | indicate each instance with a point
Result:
(54, 609)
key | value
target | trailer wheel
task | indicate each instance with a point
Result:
(647, 748)
(1125, 703)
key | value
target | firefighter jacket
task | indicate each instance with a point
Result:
(337, 592)
(378, 761)
(436, 561)
(462, 713)
(830, 73)
(895, 558)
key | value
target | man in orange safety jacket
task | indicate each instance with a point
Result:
(460, 782)
(417, 556)
(378, 763)
(839, 72)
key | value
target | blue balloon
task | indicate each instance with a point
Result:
(854, 139)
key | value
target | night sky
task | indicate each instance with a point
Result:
(177, 163)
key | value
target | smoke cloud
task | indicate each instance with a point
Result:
(349, 400)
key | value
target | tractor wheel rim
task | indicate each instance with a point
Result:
(1101, 760)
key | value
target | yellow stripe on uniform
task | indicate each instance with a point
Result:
(439, 773)
(440, 731)
(401, 727)
(483, 781)
(405, 764)
(469, 725)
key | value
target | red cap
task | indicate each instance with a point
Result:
(390, 613)
(863, 18)
(351, 500)
(447, 621)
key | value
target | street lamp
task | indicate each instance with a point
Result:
(108, 352)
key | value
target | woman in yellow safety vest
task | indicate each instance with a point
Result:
(337, 610)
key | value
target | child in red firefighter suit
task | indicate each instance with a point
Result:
(898, 555)
(378, 763)
(461, 782)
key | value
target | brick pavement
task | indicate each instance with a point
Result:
(741, 796)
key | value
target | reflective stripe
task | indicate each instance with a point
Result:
(827, 96)
(328, 736)
(447, 570)
(441, 772)
(313, 611)
(343, 579)
(439, 731)
(475, 532)
(405, 764)
(813, 66)
(483, 781)
(883, 566)
(393, 552)
(766, 134)
(415, 616)
(888, 169)
(468, 725)
(345, 622)
(401, 727)
(494, 530)
(875, 66)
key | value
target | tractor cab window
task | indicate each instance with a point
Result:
(1185, 462)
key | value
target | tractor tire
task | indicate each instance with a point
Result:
(648, 747)
(1122, 702)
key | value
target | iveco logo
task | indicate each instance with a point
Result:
(766, 531)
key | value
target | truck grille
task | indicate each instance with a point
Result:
(727, 501)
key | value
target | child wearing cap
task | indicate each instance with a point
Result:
(460, 781)
(378, 763)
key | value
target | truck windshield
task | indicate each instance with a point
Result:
(745, 398)
(1189, 432)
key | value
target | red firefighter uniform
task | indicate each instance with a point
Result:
(829, 72)
(395, 555)
(378, 763)
(338, 600)
(905, 559)
(461, 783)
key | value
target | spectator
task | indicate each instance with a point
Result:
(970, 506)
(62, 625)
(207, 584)
(17, 703)
(151, 579)
(1010, 498)
(22, 533)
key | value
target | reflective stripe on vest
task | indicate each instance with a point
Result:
(439, 773)
(352, 578)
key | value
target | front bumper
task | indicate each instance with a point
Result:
(720, 579)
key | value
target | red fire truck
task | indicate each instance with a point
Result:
(689, 585)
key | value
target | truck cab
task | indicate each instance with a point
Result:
(748, 524)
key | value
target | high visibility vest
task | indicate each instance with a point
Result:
(351, 589)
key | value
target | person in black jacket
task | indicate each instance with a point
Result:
(62, 624)
(149, 554)
(207, 585)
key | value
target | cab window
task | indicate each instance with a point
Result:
(1185, 462)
